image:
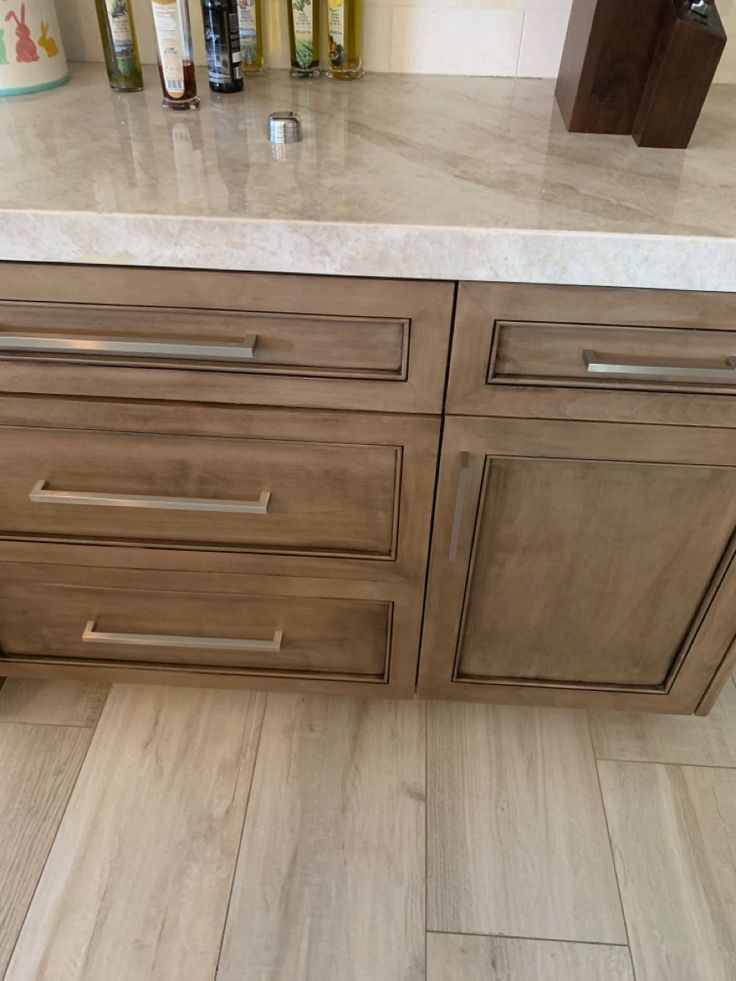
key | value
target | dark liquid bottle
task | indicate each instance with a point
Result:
(188, 98)
(174, 50)
(222, 43)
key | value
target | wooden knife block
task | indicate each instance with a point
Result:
(638, 66)
(685, 60)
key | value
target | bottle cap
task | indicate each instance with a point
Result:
(284, 127)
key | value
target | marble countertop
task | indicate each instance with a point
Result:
(411, 176)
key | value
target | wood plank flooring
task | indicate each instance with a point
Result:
(137, 883)
(61, 703)
(38, 768)
(191, 835)
(670, 738)
(454, 957)
(514, 816)
(334, 842)
(674, 836)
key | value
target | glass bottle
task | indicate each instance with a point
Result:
(174, 50)
(119, 44)
(304, 37)
(345, 27)
(222, 44)
(251, 36)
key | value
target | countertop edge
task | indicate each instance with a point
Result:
(375, 250)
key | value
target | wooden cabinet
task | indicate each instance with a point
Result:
(217, 478)
(581, 563)
(584, 522)
(228, 478)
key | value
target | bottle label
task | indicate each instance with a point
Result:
(303, 33)
(248, 30)
(336, 28)
(170, 47)
(120, 30)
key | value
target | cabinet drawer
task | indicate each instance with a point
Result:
(287, 495)
(514, 345)
(307, 636)
(612, 356)
(225, 337)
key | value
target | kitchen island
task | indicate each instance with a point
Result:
(230, 373)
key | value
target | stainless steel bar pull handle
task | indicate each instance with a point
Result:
(457, 517)
(90, 635)
(41, 495)
(721, 371)
(243, 351)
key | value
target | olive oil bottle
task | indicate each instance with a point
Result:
(119, 44)
(251, 36)
(344, 23)
(303, 18)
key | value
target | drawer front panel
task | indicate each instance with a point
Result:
(581, 563)
(612, 356)
(244, 494)
(282, 635)
(214, 340)
(241, 338)
(596, 353)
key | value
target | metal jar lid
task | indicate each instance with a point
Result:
(284, 127)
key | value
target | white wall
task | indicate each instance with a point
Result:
(453, 37)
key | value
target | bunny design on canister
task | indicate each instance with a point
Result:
(3, 55)
(47, 43)
(25, 49)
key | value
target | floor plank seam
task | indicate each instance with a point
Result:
(426, 839)
(236, 859)
(610, 841)
(92, 730)
(698, 766)
(516, 936)
(613, 857)
(51, 725)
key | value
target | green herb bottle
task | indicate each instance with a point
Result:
(119, 43)
(251, 36)
(344, 23)
(304, 37)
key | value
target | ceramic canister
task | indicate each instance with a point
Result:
(31, 52)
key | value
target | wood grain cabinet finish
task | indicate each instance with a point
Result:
(229, 479)
(225, 337)
(563, 352)
(293, 496)
(240, 489)
(581, 563)
(258, 631)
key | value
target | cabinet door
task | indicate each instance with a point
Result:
(580, 563)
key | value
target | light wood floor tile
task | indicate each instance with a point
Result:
(516, 831)
(62, 703)
(330, 880)
(137, 882)
(38, 767)
(710, 741)
(674, 835)
(453, 957)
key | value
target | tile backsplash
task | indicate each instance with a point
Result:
(444, 37)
